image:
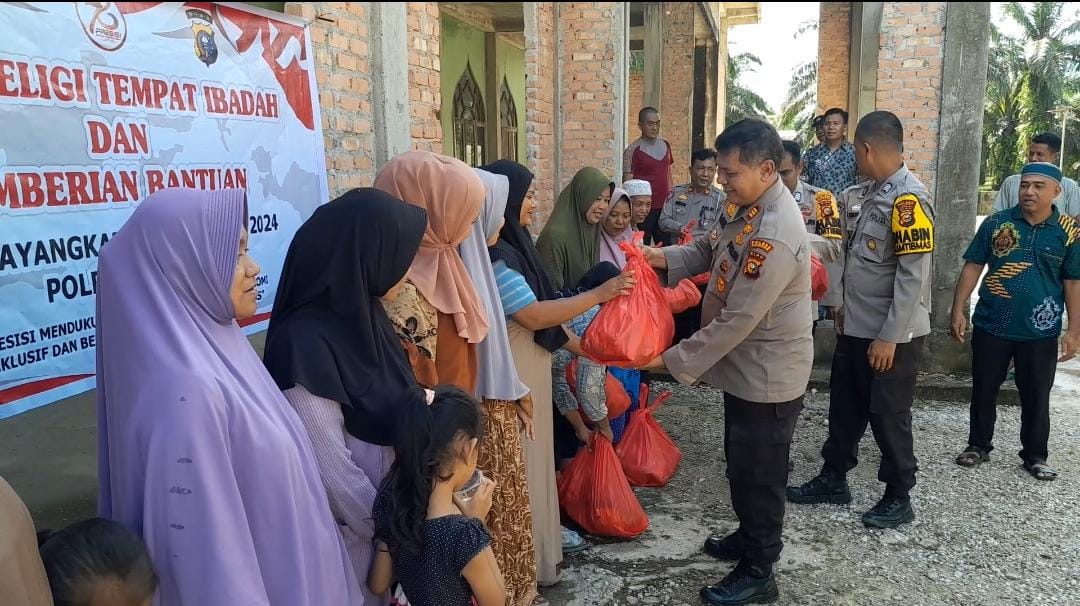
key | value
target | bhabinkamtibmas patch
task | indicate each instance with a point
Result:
(913, 231)
(828, 215)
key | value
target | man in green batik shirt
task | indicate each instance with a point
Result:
(1033, 253)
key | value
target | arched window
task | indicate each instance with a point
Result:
(469, 120)
(508, 123)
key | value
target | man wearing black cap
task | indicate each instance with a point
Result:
(1033, 251)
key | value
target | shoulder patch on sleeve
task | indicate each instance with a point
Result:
(828, 215)
(913, 231)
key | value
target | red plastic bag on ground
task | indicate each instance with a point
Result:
(688, 237)
(618, 401)
(819, 279)
(630, 331)
(648, 454)
(683, 297)
(594, 492)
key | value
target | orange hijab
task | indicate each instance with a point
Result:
(453, 196)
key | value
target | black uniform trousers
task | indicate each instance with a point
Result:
(757, 443)
(1035, 363)
(689, 322)
(653, 234)
(860, 395)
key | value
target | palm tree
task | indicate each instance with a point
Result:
(797, 110)
(1051, 48)
(743, 102)
(1002, 118)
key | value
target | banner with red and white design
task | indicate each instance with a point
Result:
(104, 103)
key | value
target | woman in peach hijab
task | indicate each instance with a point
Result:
(439, 290)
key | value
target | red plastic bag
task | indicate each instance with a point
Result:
(819, 279)
(630, 331)
(684, 296)
(688, 237)
(618, 401)
(594, 492)
(648, 454)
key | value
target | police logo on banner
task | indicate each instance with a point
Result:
(206, 49)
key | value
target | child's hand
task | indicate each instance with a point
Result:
(478, 506)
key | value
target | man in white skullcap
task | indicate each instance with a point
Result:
(640, 193)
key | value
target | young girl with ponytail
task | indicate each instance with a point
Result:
(430, 533)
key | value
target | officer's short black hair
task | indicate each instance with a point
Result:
(818, 121)
(1048, 139)
(646, 111)
(881, 128)
(702, 155)
(793, 149)
(755, 139)
(835, 111)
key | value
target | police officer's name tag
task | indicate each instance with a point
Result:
(913, 231)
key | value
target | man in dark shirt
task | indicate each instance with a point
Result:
(1033, 253)
(831, 165)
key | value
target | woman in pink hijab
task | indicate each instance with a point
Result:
(616, 227)
(198, 451)
(438, 282)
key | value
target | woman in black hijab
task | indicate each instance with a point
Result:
(536, 331)
(332, 349)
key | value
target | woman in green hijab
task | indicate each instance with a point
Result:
(567, 244)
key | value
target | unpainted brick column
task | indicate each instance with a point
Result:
(834, 43)
(342, 72)
(425, 87)
(540, 148)
(588, 32)
(677, 84)
(910, 61)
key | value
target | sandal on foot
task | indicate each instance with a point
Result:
(1041, 471)
(972, 457)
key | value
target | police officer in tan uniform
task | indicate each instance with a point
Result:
(696, 203)
(755, 344)
(881, 326)
(821, 214)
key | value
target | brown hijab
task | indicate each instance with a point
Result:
(22, 576)
(452, 195)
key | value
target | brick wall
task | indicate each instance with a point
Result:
(425, 96)
(540, 103)
(910, 62)
(677, 92)
(587, 93)
(342, 72)
(834, 42)
(635, 100)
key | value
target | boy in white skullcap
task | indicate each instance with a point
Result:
(640, 193)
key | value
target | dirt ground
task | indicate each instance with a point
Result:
(992, 535)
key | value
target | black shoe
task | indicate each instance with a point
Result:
(747, 584)
(825, 488)
(726, 548)
(889, 512)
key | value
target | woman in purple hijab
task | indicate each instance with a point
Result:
(615, 228)
(198, 451)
